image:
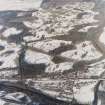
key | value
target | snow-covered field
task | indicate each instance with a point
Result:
(19, 4)
(102, 37)
(62, 44)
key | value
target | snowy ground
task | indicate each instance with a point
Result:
(19, 4)
(62, 49)
(102, 37)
